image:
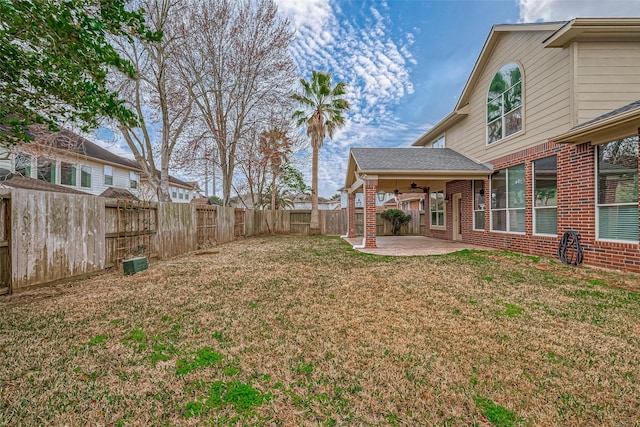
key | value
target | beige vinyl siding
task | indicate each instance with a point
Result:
(608, 77)
(547, 108)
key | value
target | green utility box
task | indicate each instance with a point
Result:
(134, 265)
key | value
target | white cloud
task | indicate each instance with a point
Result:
(561, 10)
(375, 64)
(306, 13)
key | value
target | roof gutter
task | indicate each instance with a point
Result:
(624, 124)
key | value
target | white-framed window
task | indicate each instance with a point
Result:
(438, 143)
(545, 196)
(133, 179)
(180, 193)
(617, 190)
(436, 206)
(504, 104)
(46, 170)
(85, 176)
(174, 193)
(22, 164)
(68, 174)
(108, 175)
(507, 200)
(186, 195)
(478, 204)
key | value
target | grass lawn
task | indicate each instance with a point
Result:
(305, 331)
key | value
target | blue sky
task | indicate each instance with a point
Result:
(406, 61)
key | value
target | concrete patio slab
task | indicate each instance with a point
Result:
(413, 245)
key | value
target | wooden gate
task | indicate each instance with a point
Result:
(238, 228)
(5, 246)
(130, 227)
(207, 224)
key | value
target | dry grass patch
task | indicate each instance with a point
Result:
(306, 331)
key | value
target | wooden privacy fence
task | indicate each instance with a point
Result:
(5, 253)
(332, 223)
(45, 236)
(415, 227)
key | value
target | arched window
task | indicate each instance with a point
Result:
(504, 104)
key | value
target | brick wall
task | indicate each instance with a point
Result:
(576, 209)
(370, 188)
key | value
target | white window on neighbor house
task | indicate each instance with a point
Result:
(545, 196)
(180, 193)
(68, 174)
(22, 165)
(46, 170)
(617, 190)
(478, 204)
(186, 195)
(504, 104)
(437, 209)
(133, 180)
(85, 176)
(108, 175)
(507, 200)
(174, 193)
(438, 143)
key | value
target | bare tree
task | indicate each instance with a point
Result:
(158, 94)
(198, 159)
(240, 67)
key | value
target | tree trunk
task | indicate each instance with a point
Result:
(314, 227)
(273, 193)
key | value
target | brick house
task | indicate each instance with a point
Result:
(543, 140)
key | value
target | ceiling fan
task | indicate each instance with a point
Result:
(413, 188)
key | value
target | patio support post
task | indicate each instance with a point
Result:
(370, 210)
(351, 215)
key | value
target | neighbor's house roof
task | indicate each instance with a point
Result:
(433, 163)
(118, 193)
(201, 201)
(306, 198)
(618, 123)
(19, 181)
(177, 182)
(70, 142)
(564, 33)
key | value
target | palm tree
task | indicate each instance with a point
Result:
(275, 147)
(322, 109)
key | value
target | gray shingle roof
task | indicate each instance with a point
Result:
(69, 141)
(17, 181)
(118, 193)
(413, 159)
(634, 105)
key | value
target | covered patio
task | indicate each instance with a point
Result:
(379, 171)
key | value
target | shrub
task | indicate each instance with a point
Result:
(397, 218)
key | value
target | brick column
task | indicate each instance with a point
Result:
(370, 210)
(351, 215)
